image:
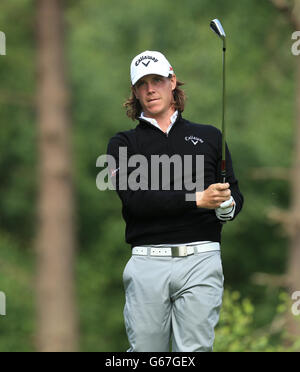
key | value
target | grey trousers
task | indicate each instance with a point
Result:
(173, 301)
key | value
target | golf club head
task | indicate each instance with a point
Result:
(216, 26)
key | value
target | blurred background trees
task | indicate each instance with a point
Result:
(100, 39)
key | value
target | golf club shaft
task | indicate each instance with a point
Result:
(216, 26)
(223, 171)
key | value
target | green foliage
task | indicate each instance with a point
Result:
(16, 281)
(235, 332)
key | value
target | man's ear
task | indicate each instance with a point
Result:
(173, 82)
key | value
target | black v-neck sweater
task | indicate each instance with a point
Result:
(164, 216)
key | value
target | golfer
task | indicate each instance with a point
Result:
(174, 279)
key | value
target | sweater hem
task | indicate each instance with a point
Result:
(178, 238)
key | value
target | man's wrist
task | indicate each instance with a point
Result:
(199, 197)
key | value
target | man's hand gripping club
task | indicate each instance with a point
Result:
(215, 196)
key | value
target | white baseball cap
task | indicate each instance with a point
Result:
(148, 63)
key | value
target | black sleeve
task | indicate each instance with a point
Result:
(143, 203)
(230, 176)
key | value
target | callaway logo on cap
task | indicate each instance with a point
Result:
(148, 63)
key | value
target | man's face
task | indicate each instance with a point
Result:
(155, 94)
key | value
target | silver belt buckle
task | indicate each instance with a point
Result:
(179, 251)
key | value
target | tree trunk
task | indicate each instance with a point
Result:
(55, 242)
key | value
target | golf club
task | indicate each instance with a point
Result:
(216, 26)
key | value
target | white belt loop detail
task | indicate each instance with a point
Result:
(160, 252)
(140, 251)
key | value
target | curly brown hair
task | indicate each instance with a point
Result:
(134, 108)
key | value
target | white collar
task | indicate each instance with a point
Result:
(154, 122)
